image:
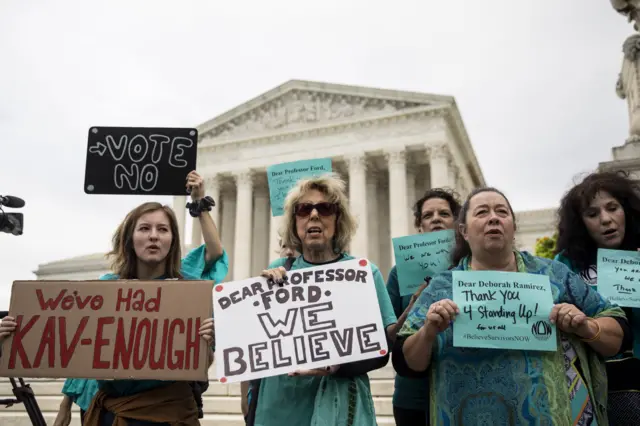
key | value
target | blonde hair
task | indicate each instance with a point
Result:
(333, 187)
(123, 256)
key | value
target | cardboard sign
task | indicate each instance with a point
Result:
(282, 177)
(420, 256)
(140, 160)
(619, 277)
(322, 316)
(503, 310)
(124, 329)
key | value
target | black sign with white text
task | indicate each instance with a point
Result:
(139, 160)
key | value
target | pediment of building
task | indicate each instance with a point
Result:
(297, 104)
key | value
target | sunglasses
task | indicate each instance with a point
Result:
(323, 209)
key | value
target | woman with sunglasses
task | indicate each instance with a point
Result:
(318, 224)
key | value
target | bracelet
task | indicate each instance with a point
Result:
(597, 336)
(198, 206)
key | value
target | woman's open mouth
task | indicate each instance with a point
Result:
(314, 230)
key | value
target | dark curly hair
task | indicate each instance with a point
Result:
(574, 241)
(462, 248)
(449, 195)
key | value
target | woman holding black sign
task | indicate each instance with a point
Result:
(435, 211)
(507, 386)
(146, 246)
(317, 223)
(603, 211)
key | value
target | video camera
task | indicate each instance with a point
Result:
(11, 223)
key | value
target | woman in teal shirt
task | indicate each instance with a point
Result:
(603, 211)
(146, 246)
(318, 223)
(437, 210)
(489, 386)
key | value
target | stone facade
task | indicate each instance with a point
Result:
(389, 146)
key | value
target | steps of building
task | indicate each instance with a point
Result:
(221, 401)
(21, 419)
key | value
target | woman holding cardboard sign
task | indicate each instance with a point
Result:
(472, 383)
(603, 212)
(146, 246)
(435, 211)
(317, 223)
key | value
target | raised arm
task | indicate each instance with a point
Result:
(211, 237)
(201, 205)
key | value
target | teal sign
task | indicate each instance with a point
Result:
(420, 256)
(503, 310)
(282, 177)
(619, 277)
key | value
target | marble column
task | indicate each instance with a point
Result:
(464, 190)
(226, 226)
(180, 210)
(438, 162)
(398, 202)
(213, 190)
(373, 218)
(260, 243)
(411, 198)
(454, 175)
(422, 181)
(383, 212)
(274, 238)
(243, 234)
(357, 165)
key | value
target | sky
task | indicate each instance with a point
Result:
(535, 86)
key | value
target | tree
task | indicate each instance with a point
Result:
(546, 246)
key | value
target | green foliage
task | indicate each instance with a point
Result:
(546, 246)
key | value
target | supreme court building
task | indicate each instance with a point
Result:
(389, 146)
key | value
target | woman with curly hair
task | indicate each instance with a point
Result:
(603, 211)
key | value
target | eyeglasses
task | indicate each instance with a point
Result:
(323, 209)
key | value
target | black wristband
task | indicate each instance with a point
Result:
(207, 203)
(198, 206)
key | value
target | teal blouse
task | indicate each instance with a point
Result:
(316, 401)
(472, 386)
(409, 393)
(194, 267)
